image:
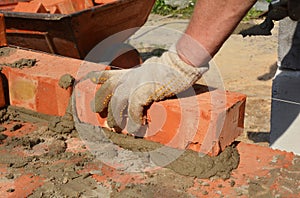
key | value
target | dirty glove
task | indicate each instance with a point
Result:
(127, 92)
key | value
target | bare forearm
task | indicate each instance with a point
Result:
(211, 24)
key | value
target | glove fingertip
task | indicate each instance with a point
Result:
(96, 107)
(135, 119)
(111, 122)
(137, 129)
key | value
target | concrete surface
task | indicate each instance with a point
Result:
(285, 116)
(285, 119)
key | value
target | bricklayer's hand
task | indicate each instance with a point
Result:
(125, 93)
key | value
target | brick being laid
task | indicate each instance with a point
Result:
(206, 122)
(212, 121)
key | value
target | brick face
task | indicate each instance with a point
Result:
(199, 122)
(209, 129)
(41, 94)
(2, 93)
(32, 7)
(37, 88)
(2, 31)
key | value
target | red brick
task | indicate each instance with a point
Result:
(38, 94)
(196, 122)
(24, 130)
(2, 31)
(37, 88)
(208, 134)
(104, 1)
(82, 4)
(53, 10)
(75, 145)
(23, 186)
(258, 160)
(32, 7)
(108, 174)
(2, 93)
(256, 164)
(66, 6)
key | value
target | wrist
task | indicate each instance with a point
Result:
(192, 52)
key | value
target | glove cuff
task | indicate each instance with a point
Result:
(172, 59)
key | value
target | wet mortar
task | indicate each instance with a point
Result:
(66, 81)
(5, 51)
(63, 180)
(288, 180)
(189, 163)
(21, 63)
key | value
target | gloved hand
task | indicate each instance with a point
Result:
(127, 92)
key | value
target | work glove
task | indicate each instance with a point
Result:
(124, 94)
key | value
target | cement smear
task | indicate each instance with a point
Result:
(21, 63)
(4, 116)
(5, 51)
(22, 114)
(163, 184)
(188, 163)
(66, 81)
(2, 129)
(62, 125)
(289, 181)
(48, 144)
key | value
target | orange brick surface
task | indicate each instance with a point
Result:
(2, 93)
(67, 6)
(54, 7)
(273, 170)
(32, 7)
(104, 1)
(2, 31)
(206, 122)
(214, 129)
(37, 88)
